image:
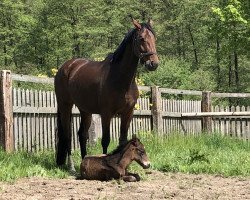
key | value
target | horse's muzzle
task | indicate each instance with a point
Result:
(146, 165)
(151, 65)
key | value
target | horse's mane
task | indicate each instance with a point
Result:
(117, 56)
(147, 26)
(121, 48)
(121, 147)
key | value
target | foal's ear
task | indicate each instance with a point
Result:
(134, 143)
(134, 140)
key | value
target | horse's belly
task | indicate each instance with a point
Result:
(86, 100)
(84, 84)
(88, 108)
(93, 168)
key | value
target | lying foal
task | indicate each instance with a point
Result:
(114, 165)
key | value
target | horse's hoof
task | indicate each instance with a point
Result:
(73, 173)
(72, 170)
(129, 179)
(138, 178)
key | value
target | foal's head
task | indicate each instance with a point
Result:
(144, 44)
(138, 153)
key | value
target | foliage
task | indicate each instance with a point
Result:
(174, 73)
(197, 39)
(171, 73)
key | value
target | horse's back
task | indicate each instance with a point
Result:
(65, 71)
(75, 65)
(78, 82)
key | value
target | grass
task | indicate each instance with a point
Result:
(210, 154)
(23, 164)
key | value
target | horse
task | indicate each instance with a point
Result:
(115, 164)
(107, 88)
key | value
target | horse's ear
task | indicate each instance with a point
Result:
(134, 143)
(134, 140)
(150, 22)
(137, 25)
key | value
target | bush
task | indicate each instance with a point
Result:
(178, 73)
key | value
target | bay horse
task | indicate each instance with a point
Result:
(115, 164)
(107, 88)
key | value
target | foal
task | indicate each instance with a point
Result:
(114, 165)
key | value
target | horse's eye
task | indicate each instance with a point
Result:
(141, 153)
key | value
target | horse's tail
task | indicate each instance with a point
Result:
(61, 152)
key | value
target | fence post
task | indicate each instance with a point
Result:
(156, 110)
(95, 129)
(6, 114)
(206, 107)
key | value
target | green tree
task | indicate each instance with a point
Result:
(11, 30)
(230, 29)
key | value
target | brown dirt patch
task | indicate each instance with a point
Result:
(157, 186)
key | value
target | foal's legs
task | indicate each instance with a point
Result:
(105, 132)
(83, 132)
(126, 118)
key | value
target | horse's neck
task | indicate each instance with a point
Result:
(121, 160)
(124, 72)
(125, 160)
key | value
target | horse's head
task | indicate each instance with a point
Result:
(144, 44)
(139, 153)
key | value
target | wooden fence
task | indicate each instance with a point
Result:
(28, 117)
(34, 120)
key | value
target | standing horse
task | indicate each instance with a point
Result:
(106, 88)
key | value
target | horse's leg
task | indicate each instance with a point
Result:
(131, 177)
(83, 132)
(126, 118)
(64, 135)
(105, 132)
(138, 178)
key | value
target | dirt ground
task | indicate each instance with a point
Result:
(156, 186)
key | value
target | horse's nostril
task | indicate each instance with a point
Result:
(146, 165)
(154, 64)
(151, 65)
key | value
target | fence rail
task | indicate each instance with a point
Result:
(214, 114)
(28, 117)
(32, 79)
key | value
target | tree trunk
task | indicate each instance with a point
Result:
(218, 63)
(194, 48)
(76, 45)
(230, 77)
(229, 71)
(236, 71)
(183, 43)
(5, 55)
(57, 61)
(5, 47)
(178, 41)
